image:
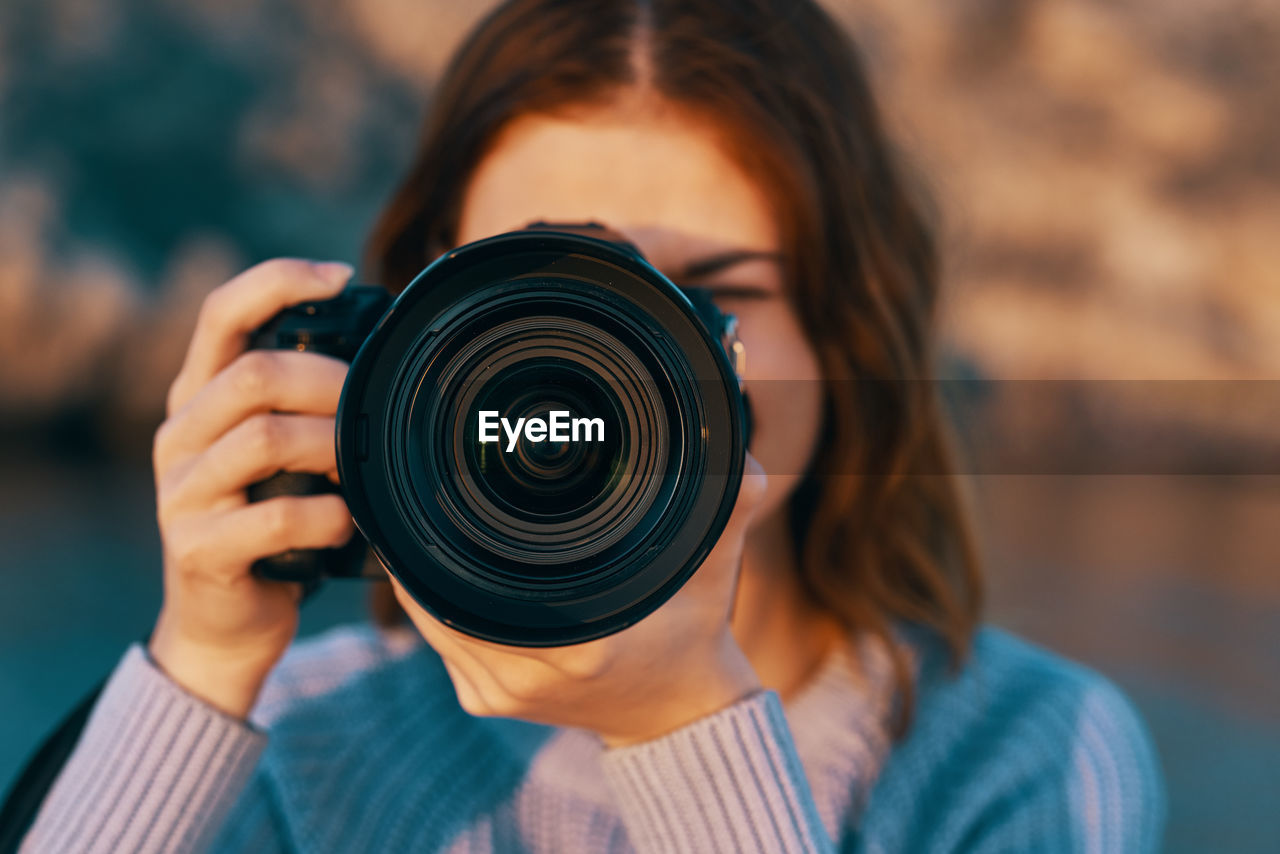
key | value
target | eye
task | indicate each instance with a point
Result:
(741, 292)
(731, 293)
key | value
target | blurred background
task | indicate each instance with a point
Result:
(1108, 180)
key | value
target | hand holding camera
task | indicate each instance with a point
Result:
(544, 540)
(679, 664)
(234, 418)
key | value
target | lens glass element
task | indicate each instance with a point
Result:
(558, 456)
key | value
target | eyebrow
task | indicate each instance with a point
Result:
(702, 267)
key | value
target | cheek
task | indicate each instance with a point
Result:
(784, 386)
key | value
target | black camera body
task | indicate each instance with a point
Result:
(541, 438)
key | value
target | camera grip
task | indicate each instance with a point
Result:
(306, 566)
(335, 327)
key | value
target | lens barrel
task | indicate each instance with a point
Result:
(541, 439)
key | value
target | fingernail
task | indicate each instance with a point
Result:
(336, 272)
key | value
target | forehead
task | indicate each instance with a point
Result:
(657, 176)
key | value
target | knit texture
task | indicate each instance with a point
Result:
(358, 744)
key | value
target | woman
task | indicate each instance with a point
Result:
(821, 682)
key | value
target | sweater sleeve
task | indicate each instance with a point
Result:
(155, 769)
(731, 781)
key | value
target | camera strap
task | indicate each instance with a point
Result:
(30, 788)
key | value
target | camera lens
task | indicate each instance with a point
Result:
(561, 476)
(539, 508)
(541, 440)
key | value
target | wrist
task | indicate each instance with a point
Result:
(227, 679)
(724, 678)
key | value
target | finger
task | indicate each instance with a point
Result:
(253, 450)
(462, 665)
(470, 698)
(257, 381)
(441, 638)
(225, 544)
(504, 678)
(233, 310)
(463, 651)
(497, 679)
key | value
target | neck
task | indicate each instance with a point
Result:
(784, 634)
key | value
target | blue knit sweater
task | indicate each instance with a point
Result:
(359, 744)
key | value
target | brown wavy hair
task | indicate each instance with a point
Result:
(884, 541)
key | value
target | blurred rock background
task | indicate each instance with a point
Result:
(1108, 177)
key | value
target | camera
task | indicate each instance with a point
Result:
(541, 437)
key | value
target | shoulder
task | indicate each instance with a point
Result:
(1023, 746)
